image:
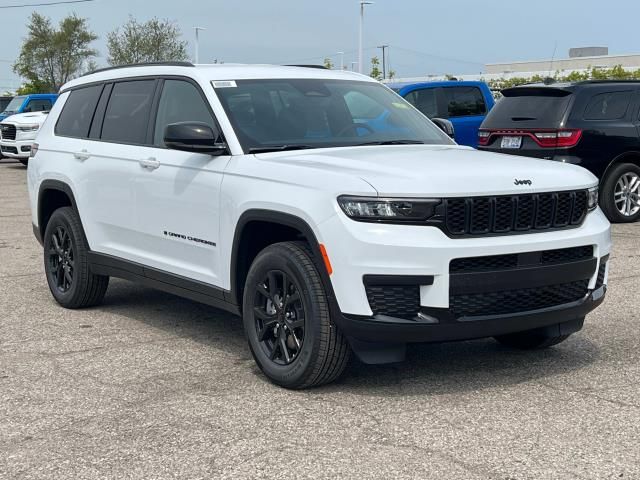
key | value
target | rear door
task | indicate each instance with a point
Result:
(466, 108)
(110, 161)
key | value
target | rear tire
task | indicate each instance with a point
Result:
(66, 263)
(287, 321)
(620, 184)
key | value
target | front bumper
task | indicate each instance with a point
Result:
(438, 325)
(16, 148)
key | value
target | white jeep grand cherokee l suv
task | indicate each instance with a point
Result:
(319, 205)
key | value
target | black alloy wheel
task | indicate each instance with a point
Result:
(279, 317)
(61, 259)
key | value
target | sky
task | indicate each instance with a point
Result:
(424, 36)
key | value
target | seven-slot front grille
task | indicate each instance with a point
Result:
(8, 131)
(514, 213)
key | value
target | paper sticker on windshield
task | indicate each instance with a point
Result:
(400, 105)
(224, 84)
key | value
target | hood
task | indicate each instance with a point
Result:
(30, 118)
(438, 170)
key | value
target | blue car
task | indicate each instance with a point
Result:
(464, 103)
(37, 102)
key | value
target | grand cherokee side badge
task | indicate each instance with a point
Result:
(523, 182)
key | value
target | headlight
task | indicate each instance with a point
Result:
(28, 128)
(392, 210)
(592, 198)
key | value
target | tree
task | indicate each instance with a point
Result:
(375, 69)
(328, 63)
(50, 57)
(152, 41)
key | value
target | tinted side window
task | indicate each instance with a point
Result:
(608, 106)
(76, 115)
(464, 101)
(180, 102)
(424, 100)
(38, 106)
(127, 116)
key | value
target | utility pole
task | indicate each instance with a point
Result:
(384, 61)
(197, 55)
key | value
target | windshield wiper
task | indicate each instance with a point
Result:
(279, 148)
(393, 142)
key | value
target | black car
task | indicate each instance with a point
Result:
(594, 124)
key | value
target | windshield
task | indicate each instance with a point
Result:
(288, 114)
(15, 104)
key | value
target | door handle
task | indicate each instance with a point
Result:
(81, 155)
(149, 163)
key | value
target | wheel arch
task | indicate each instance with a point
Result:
(283, 226)
(52, 195)
(632, 156)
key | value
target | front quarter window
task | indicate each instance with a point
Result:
(279, 114)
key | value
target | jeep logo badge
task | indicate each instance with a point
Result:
(522, 182)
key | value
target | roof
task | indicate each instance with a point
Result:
(436, 83)
(207, 73)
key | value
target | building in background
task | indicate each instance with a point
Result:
(580, 60)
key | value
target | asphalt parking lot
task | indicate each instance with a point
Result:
(149, 385)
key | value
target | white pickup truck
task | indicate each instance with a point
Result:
(17, 134)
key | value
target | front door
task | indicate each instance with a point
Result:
(178, 193)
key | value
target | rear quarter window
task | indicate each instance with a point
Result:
(77, 112)
(608, 106)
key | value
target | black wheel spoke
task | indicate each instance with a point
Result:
(283, 346)
(297, 323)
(273, 353)
(60, 275)
(273, 284)
(67, 277)
(293, 298)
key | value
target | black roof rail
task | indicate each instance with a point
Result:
(612, 80)
(320, 67)
(148, 64)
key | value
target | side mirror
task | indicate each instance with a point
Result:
(197, 137)
(445, 125)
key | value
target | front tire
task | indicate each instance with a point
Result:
(620, 195)
(287, 321)
(24, 161)
(66, 264)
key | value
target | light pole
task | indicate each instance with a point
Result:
(362, 4)
(197, 29)
(341, 60)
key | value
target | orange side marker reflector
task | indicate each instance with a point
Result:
(325, 258)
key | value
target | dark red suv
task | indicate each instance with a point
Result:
(594, 124)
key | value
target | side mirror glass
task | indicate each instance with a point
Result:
(445, 125)
(197, 137)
